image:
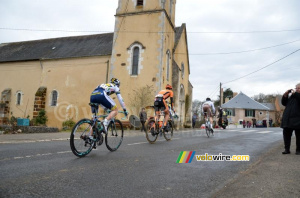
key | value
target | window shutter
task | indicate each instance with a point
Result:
(245, 112)
(253, 113)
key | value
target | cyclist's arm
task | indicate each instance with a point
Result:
(213, 108)
(121, 101)
(172, 102)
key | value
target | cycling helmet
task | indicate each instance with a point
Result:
(169, 86)
(208, 99)
(115, 81)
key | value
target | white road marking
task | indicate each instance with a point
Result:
(264, 132)
(137, 143)
(246, 131)
(64, 152)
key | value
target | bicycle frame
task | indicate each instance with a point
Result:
(96, 119)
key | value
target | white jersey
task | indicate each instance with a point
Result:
(211, 104)
(111, 88)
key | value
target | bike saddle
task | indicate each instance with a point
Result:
(94, 104)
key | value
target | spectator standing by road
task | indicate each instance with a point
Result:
(249, 124)
(270, 122)
(194, 118)
(143, 118)
(254, 122)
(291, 118)
(244, 123)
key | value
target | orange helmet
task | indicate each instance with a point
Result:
(169, 86)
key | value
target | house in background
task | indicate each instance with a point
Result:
(241, 107)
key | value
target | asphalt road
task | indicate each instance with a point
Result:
(137, 169)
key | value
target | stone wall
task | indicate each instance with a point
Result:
(39, 104)
(30, 129)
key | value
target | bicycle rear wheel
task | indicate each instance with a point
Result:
(168, 135)
(207, 131)
(151, 134)
(80, 143)
(114, 135)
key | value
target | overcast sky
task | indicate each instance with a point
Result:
(211, 39)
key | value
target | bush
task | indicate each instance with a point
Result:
(41, 119)
(69, 124)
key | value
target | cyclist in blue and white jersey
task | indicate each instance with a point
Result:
(101, 96)
(209, 108)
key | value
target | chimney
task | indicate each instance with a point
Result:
(227, 99)
(221, 97)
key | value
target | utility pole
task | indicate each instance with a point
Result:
(221, 102)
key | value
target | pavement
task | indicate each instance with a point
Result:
(273, 175)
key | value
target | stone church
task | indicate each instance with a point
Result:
(146, 51)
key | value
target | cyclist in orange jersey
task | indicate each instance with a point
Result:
(160, 103)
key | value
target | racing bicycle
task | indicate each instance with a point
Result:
(80, 141)
(208, 129)
(154, 128)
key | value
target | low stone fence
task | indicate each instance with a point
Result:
(29, 129)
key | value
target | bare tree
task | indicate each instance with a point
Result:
(141, 97)
(196, 107)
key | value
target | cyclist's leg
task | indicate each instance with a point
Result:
(210, 119)
(167, 113)
(95, 99)
(157, 106)
(108, 103)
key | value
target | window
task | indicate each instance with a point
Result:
(140, 2)
(249, 113)
(230, 112)
(135, 61)
(19, 96)
(168, 64)
(54, 98)
(182, 70)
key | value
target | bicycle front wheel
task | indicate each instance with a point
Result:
(114, 135)
(151, 134)
(80, 143)
(168, 135)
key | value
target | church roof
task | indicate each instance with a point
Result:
(56, 48)
(242, 101)
(178, 33)
(64, 47)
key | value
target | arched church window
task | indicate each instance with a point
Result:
(54, 98)
(168, 64)
(19, 97)
(135, 61)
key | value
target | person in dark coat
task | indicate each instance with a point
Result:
(291, 118)
(143, 118)
(194, 118)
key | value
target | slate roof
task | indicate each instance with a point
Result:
(64, 47)
(242, 101)
(178, 33)
(271, 106)
(56, 48)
